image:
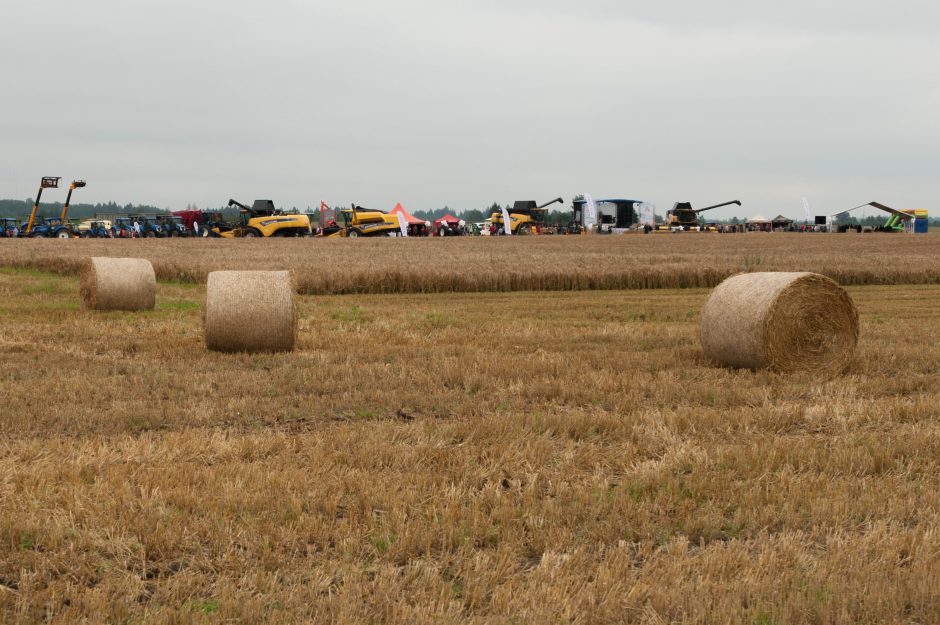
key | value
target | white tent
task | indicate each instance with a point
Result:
(758, 219)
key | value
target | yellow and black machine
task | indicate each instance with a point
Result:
(262, 220)
(59, 228)
(684, 217)
(524, 217)
(358, 221)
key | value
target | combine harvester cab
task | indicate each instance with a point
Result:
(525, 217)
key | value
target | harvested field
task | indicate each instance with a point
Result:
(483, 264)
(464, 458)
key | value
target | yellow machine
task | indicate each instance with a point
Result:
(363, 222)
(684, 217)
(525, 216)
(263, 220)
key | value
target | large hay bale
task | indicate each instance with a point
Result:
(250, 311)
(118, 284)
(787, 321)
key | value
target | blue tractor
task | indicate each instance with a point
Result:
(8, 228)
(149, 228)
(97, 230)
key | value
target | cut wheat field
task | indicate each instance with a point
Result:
(501, 264)
(526, 457)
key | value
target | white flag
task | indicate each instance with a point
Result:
(402, 224)
(590, 211)
(507, 224)
(806, 212)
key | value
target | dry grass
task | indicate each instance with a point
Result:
(512, 264)
(498, 458)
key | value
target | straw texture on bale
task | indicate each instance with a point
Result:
(250, 311)
(118, 284)
(787, 321)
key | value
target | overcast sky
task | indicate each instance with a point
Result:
(440, 102)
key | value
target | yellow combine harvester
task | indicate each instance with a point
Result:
(362, 222)
(684, 217)
(263, 220)
(524, 217)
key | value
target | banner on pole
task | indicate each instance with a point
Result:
(590, 211)
(807, 215)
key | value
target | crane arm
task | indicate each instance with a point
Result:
(76, 184)
(48, 182)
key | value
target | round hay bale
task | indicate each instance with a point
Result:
(118, 284)
(250, 311)
(787, 321)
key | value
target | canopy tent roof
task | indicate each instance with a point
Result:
(780, 219)
(758, 219)
(448, 218)
(411, 219)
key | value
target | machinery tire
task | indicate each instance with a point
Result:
(251, 234)
(355, 234)
(150, 234)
